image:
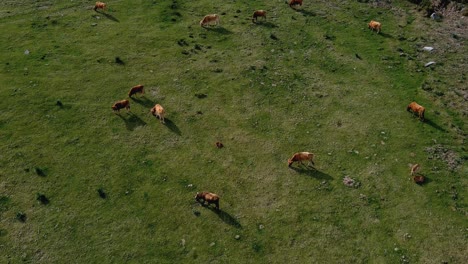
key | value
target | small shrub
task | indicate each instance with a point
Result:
(42, 198)
(119, 61)
(40, 171)
(102, 193)
(20, 216)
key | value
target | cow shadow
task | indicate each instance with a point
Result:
(434, 125)
(312, 172)
(172, 126)
(306, 12)
(226, 217)
(132, 122)
(220, 30)
(266, 24)
(108, 16)
(143, 101)
(385, 35)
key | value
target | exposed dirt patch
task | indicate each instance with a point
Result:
(449, 156)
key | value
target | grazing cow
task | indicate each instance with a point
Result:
(219, 144)
(209, 198)
(295, 3)
(121, 104)
(414, 169)
(100, 5)
(135, 90)
(416, 109)
(208, 19)
(419, 179)
(301, 156)
(158, 111)
(258, 13)
(374, 25)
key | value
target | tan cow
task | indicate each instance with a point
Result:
(415, 108)
(301, 156)
(258, 13)
(136, 89)
(159, 112)
(100, 5)
(120, 105)
(374, 25)
(414, 169)
(295, 3)
(209, 19)
(209, 198)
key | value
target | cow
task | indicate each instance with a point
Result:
(159, 112)
(415, 108)
(135, 90)
(301, 156)
(208, 19)
(419, 179)
(295, 3)
(209, 198)
(414, 169)
(121, 104)
(258, 13)
(374, 25)
(100, 5)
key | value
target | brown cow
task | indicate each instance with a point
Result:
(209, 198)
(208, 19)
(301, 156)
(416, 109)
(135, 90)
(121, 104)
(419, 179)
(258, 13)
(100, 5)
(374, 25)
(159, 112)
(295, 3)
(414, 171)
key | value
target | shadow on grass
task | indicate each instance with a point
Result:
(385, 35)
(266, 24)
(306, 12)
(172, 126)
(109, 16)
(226, 217)
(143, 101)
(220, 30)
(312, 172)
(132, 121)
(434, 125)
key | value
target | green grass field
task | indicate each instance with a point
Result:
(314, 79)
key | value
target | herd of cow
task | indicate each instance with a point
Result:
(159, 112)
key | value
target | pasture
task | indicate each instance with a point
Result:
(81, 184)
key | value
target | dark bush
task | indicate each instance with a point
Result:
(20, 216)
(42, 198)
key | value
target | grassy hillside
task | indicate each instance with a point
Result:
(120, 188)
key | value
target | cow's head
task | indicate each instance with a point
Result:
(290, 162)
